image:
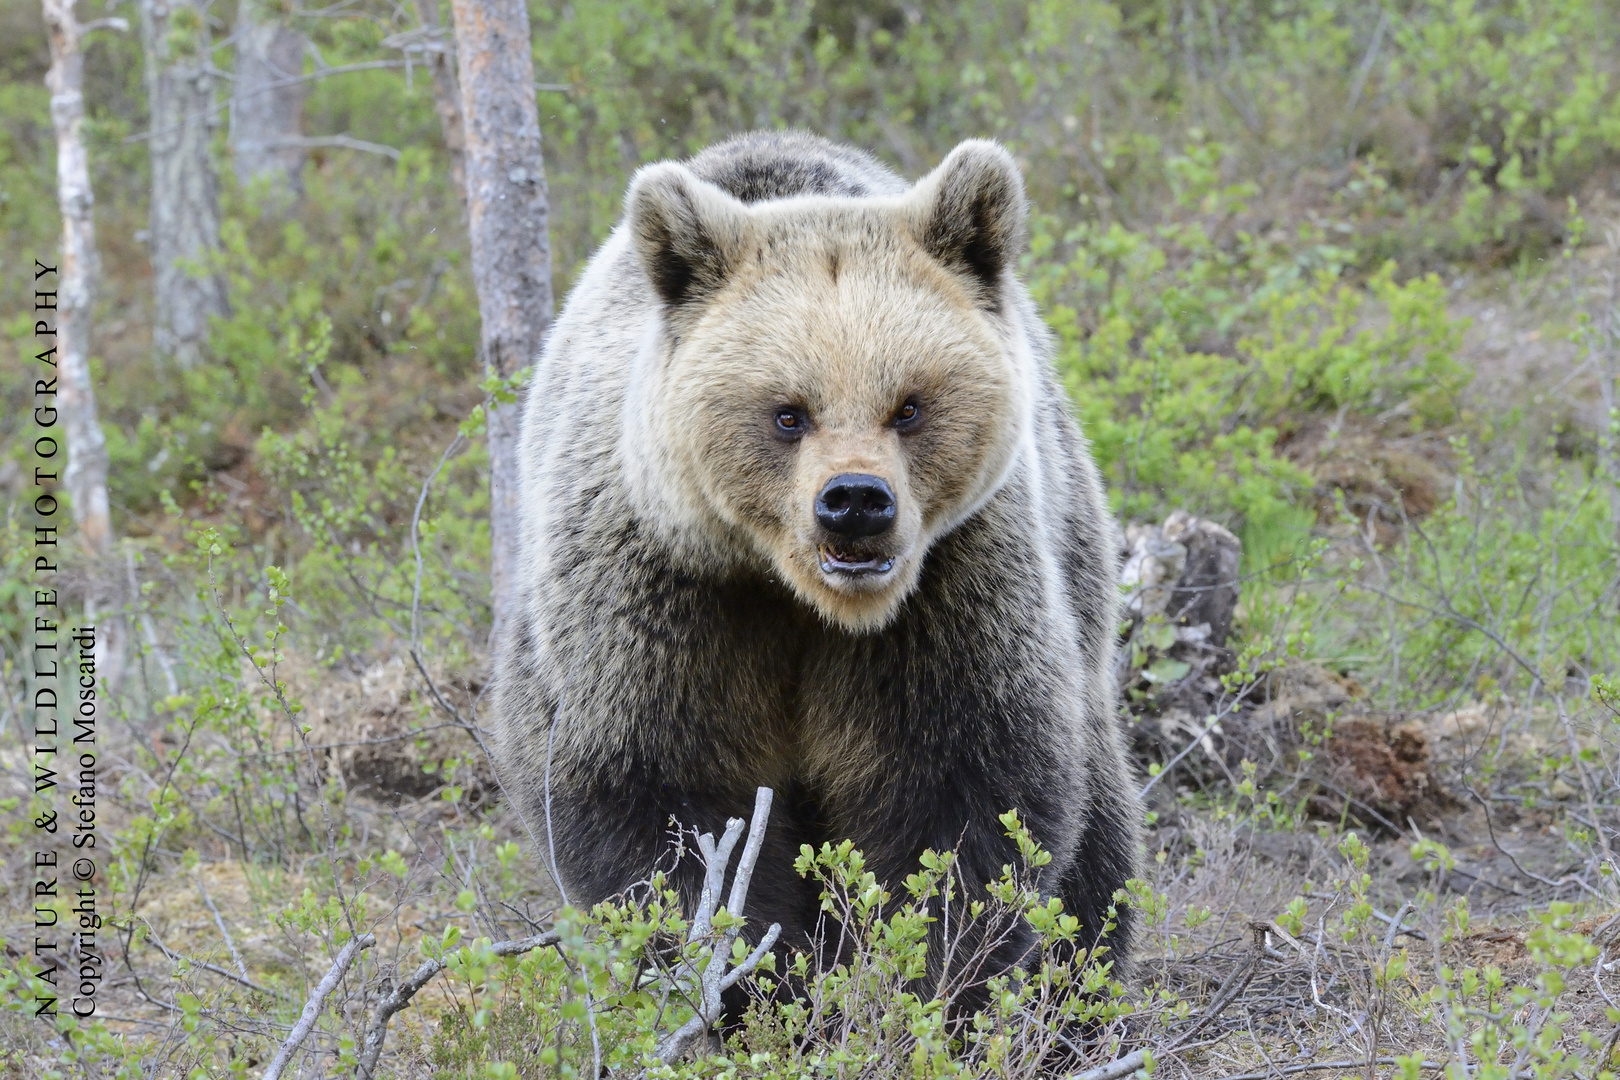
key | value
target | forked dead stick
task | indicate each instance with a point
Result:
(705, 981)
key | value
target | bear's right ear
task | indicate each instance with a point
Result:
(685, 231)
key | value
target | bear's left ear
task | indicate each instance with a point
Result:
(969, 214)
(686, 231)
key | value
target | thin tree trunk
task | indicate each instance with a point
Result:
(441, 54)
(511, 250)
(85, 477)
(267, 101)
(184, 232)
(1606, 356)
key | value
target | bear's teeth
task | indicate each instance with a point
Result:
(834, 561)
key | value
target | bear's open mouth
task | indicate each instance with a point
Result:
(854, 563)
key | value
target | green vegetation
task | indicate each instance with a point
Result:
(1287, 250)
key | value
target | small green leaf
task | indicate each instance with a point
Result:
(1166, 671)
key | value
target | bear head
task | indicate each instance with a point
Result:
(835, 382)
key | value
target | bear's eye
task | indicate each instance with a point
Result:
(790, 421)
(907, 415)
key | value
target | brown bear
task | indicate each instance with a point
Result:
(804, 506)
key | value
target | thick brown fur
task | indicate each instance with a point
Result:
(679, 640)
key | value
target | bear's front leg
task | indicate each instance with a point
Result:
(952, 799)
(646, 709)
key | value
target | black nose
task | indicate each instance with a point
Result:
(855, 504)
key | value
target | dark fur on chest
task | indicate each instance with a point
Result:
(915, 737)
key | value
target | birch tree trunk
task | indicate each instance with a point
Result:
(85, 477)
(267, 101)
(511, 251)
(441, 58)
(185, 189)
(1604, 351)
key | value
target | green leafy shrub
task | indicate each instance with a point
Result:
(879, 1005)
(1520, 99)
(1186, 347)
(1506, 587)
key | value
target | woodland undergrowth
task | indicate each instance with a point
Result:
(1342, 278)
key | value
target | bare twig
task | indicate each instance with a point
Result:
(1490, 827)
(1213, 722)
(312, 1007)
(1410, 931)
(151, 936)
(224, 933)
(1235, 984)
(416, 589)
(130, 1020)
(1365, 67)
(750, 855)
(371, 1049)
(1608, 1047)
(147, 627)
(347, 142)
(1273, 927)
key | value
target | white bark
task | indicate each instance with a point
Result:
(184, 231)
(85, 477)
(702, 981)
(1605, 353)
(267, 101)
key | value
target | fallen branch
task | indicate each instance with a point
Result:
(312, 1007)
(1236, 982)
(1322, 1066)
(1395, 925)
(371, 1049)
(1115, 1069)
(706, 980)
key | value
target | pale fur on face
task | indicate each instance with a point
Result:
(842, 310)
